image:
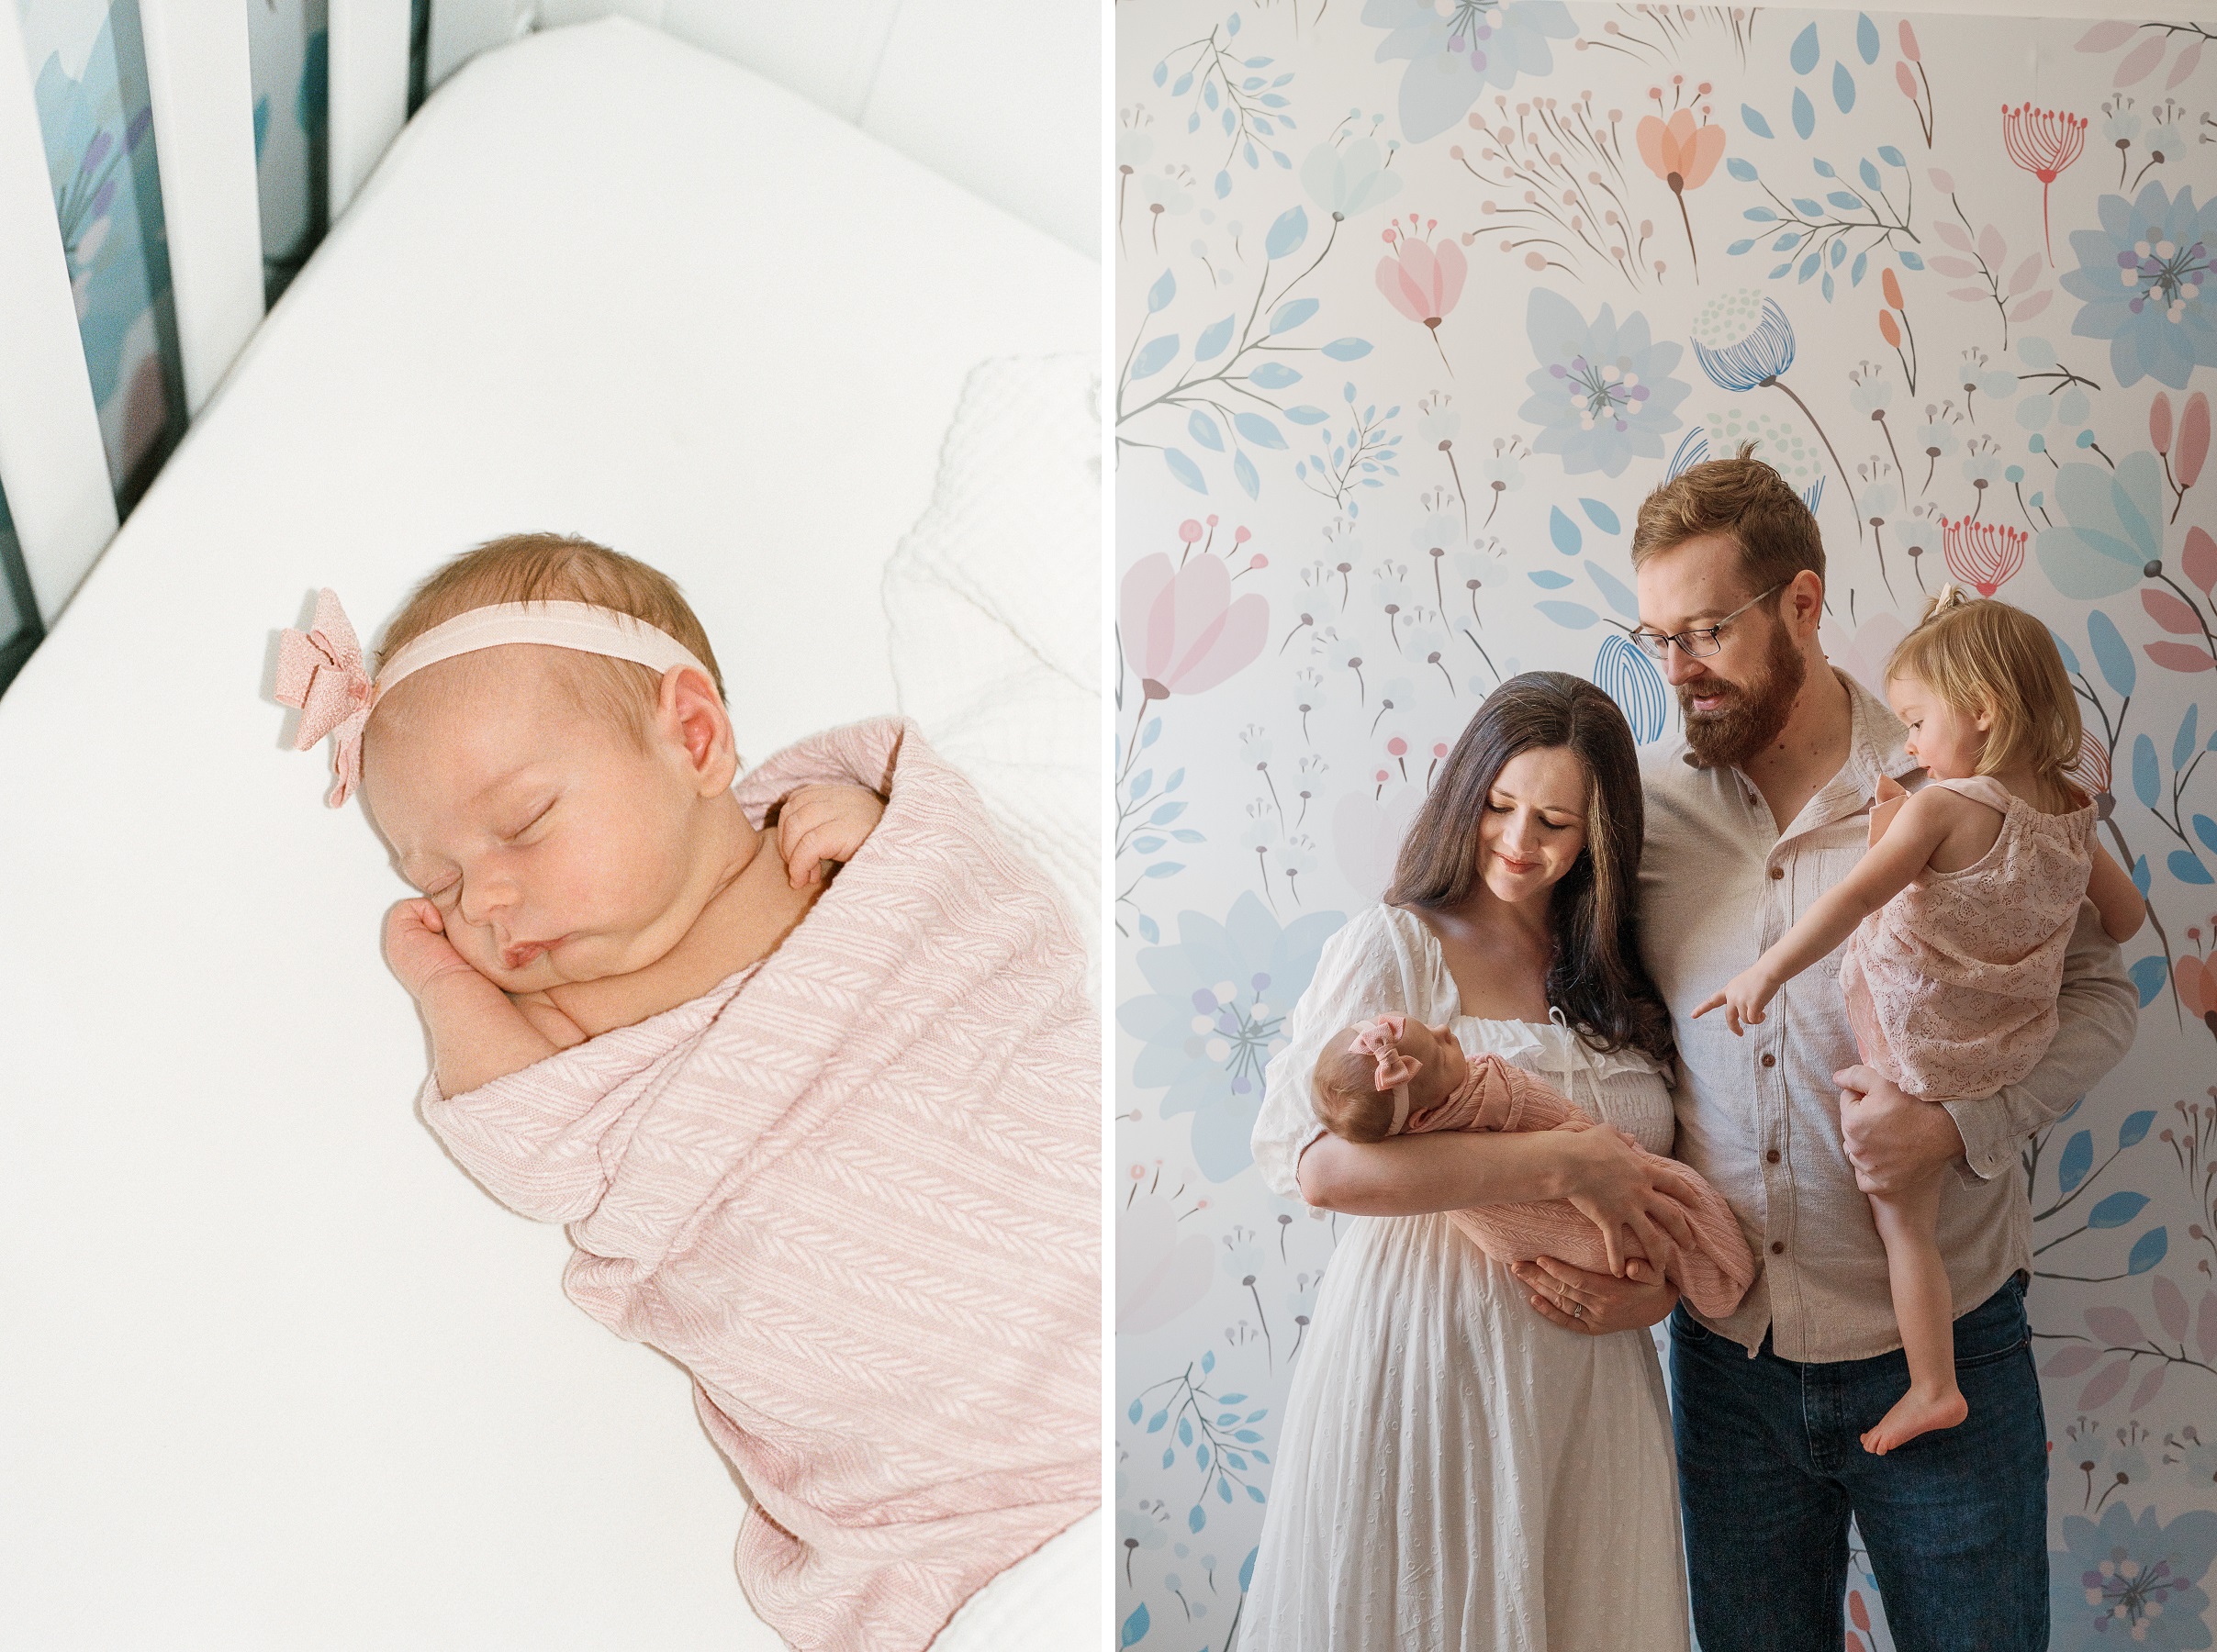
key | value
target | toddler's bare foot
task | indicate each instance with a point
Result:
(1917, 1411)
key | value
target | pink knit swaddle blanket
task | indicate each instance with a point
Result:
(856, 1191)
(1713, 1275)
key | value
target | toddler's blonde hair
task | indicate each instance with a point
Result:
(558, 567)
(1984, 655)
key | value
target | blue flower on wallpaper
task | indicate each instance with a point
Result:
(2111, 526)
(1349, 179)
(1629, 678)
(1456, 54)
(1743, 340)
(2130, 1582)
(100, 153)
(1603, 394)
(2144, 275)
(1217, 1016)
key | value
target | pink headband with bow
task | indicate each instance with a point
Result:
(320, 670)
(1380, 1037)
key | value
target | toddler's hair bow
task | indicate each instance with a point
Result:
(1381, 1038)
(319, 670)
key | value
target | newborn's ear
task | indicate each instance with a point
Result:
(688, 704)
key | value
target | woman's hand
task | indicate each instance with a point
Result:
(417, 948)
(1596, 1303)
(1620, 1189)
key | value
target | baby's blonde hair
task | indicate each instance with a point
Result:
(558, 567)
(1984, 655)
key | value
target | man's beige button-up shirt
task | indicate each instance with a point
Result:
(1759, 1115)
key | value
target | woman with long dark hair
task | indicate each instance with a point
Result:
(1475, 1461)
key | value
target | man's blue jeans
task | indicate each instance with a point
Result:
(1770, 1468)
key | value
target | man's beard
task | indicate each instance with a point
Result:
(1749, 714)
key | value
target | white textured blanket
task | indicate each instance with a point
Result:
(993, 601)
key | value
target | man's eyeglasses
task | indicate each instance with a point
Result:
(1701, 642)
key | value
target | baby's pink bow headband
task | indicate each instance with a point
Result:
(319, 670)
(1381, 1038)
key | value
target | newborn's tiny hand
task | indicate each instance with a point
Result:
(820, 824)
(416, 945)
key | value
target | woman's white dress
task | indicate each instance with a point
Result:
(1456, 1473)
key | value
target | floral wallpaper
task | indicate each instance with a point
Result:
(1415, 303)
(88, 64)
(87, 60)
(288, 41)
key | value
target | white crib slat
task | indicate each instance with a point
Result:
(204, 138)
(52, 464)
(369, 89)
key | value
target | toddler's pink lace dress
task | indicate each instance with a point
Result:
(1951, 986)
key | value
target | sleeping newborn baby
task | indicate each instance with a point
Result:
(830, 1142)
(1393, 1075)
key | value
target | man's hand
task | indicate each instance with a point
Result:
(820, 824)
(1894, 1140)
(417, 948)
(1594, 1302)
(1742, 1000)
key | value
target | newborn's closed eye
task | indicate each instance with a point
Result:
(543, 810)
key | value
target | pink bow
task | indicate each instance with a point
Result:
(1380, 1038)
(319, 670)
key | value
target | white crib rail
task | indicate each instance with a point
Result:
(369, 88)
(53, 466)
(203, 96)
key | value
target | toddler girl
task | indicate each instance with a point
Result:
(1392, 1076)
(831, 1144)
(1956, 921)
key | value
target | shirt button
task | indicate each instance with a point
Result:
(1778, 1247)
(1771, 1157)
(1777, 872)
(1769, 1060)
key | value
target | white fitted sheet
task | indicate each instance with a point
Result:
(274, 1372)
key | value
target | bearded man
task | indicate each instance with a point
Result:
(1763, 807)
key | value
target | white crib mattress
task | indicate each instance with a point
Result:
(274, 1373)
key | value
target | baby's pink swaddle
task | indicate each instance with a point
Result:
(856, 1191)
(1713, 1275)
(1951, 986)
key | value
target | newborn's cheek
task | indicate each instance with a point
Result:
(476, 946)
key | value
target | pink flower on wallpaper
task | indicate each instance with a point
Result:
(2196, 986)
(2042, 142)
(1683, 155)
(1982, 554)
(1181, 628)
(1423, 279)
